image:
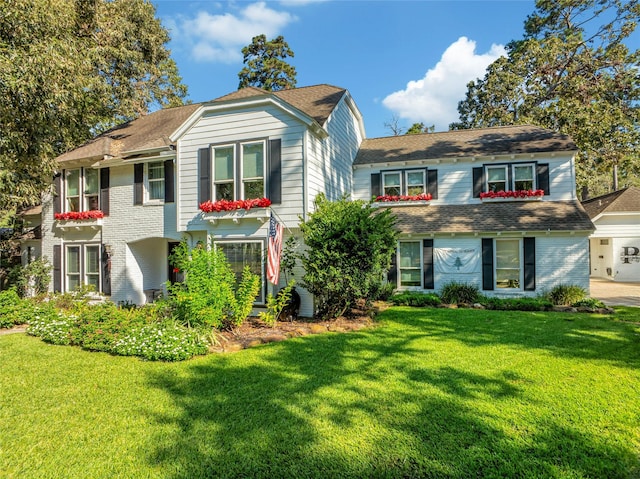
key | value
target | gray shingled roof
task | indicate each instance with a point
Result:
(511, 216)
(146, 132)
(626, 200)
(317, 101)
(153, 130)
(463, 143)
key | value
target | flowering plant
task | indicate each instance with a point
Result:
(388, 198)
(79, 215)
(512, 194)
(226, 205)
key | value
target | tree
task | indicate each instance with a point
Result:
(394, 125)
(418, 128)
(348, 249)
(265, 65)
(68, 71)
(571, 72)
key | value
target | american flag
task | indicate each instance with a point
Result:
(274, 249)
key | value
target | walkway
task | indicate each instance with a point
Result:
(613, 293)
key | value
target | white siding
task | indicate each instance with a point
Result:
(562, 260)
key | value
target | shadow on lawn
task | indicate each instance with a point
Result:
(360, 405)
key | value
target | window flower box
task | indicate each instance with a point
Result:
(79, 219)
(403, 200)
(236, 210)
(524, 195)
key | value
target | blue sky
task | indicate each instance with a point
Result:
(408, 59)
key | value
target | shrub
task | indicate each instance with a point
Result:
(275, 305)
(32, 279)
(566, 295)
(349, 248)
(207, 296)
(456, 293)
(589, 303)
(52, 325)
(516, 304)
(385, 292)
(414, 298)
(13, 309)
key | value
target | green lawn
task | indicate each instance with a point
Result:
(428, 393)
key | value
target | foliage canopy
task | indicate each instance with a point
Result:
(265, 65)
(68, 71)
(571, 72)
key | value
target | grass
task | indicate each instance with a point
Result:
(428, 393)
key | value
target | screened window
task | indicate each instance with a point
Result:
(253, 170)
(155, 180)
(508, 264)
(410, 263)
(223, 173)
(496, 179)
(391, 184)
(523, 177)
(244, 254)
(415, 182)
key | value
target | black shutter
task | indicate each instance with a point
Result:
(478, 181)
(510, 184)
(529, 264)
(392, 274)
(57, 194)
(487, 264)
(427, 258)
(104, 190)
(376, 189)
(57, 268)
(138, 180)
(432, 183)
(169, 183)
(542, 171)
(275, 171)
(204, 175)
(106, 272)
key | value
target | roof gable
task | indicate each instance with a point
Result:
(507, 140)
(626, 200)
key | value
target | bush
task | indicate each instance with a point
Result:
(32, 279)
(456, 293)
(52, 325)
(414, 298)
(566, 295)
(208, 297)
(13, 309)
(516, 304)
(349, 249)
(384, 292)
(589, 303)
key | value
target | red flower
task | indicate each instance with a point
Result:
(512, 194)
(389, 198)
(80, 215)
(176, 270)
(226, 205)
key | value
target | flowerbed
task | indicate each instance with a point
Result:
(226, 205)
(79, 215)
(512, 194)
(391, 198)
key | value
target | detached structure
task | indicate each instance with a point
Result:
(494, 207)
(615, 244)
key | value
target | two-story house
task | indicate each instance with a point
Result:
(126, 198)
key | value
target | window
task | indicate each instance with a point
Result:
(508, 264)
(86, 180)
(155, 180)
(410, 263)
(411, 182)
(510, 178)
(238, 171)
(82, 266)
(243, 254)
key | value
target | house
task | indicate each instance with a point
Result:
(615, 244)
(473, 230)
(126, 198)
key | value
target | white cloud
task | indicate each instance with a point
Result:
(433, 100)
(220, 37)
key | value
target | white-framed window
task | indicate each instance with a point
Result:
(224, 172)
(155, 180)
(410, 263)
(246, 253)
(81, 189)
(82, 266)
(508, 263)
(238, 170)
(510, 177)
(409, 182)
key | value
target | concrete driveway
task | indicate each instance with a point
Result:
(613, 293)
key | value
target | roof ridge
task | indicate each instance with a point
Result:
(488, 128)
